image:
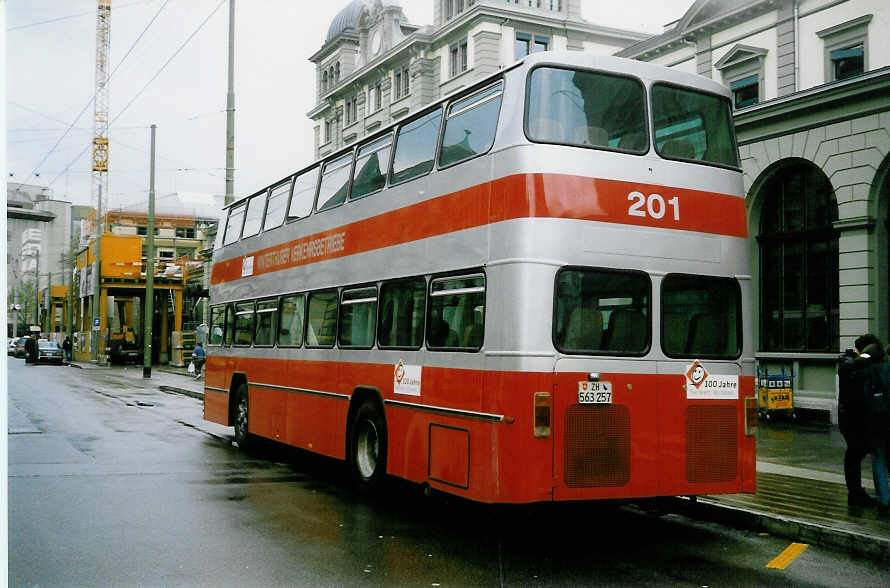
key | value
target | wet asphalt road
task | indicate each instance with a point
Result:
(117, 485)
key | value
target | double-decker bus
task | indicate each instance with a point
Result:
(535, 289)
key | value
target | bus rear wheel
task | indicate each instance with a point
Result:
(367, 454)
(241, 416)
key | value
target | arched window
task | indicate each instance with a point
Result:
(337, 72)
(799, 296)
(324, 81)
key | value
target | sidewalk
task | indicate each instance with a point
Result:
(801, 493)
(800, 482)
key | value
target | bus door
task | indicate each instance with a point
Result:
(604, 406)
(700, 416)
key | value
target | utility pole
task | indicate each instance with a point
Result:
(48, 303)
(69, 316)
(97, 282)
(149, 267)
(230, 112)
(37, 289)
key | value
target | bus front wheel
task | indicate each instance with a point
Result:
(367, 454)
(241, 416)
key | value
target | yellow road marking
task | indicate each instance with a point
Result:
(784, 559)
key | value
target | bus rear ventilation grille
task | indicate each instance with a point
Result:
(711, 443)
(597, 446)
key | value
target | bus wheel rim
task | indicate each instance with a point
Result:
(367, 446)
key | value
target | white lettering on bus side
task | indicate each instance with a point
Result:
(321, 247)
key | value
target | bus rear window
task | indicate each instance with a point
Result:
(602, 312)
(217, 324)
(701, 317)
(693, 126)
(587, 109)
(233, 227)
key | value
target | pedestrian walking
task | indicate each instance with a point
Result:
(66, 345)
(852, 418)
(877, 408)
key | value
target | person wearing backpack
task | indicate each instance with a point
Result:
(852, 418)
(877, 420)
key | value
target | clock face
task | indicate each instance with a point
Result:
(375, 43)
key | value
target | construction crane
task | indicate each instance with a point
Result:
(100, 122)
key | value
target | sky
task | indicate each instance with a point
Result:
(168, 62)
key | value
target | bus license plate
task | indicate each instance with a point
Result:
(594, 392)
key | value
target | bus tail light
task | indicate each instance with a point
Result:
(542, 414)
(750, 415)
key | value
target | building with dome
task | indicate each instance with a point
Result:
(374, 67)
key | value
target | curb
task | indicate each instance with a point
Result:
(852, 542)
(183, 391)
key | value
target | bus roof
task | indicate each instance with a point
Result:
(644, 70)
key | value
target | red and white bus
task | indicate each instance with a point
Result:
(536, 289)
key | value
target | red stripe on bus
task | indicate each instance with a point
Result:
(512, 197)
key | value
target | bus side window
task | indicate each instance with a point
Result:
(254, 217)
(358, 318)
(234, 224)
(243, 324)
(457, 313)
(471, 125)
(321, 323)
(304, 194)
(416, 147)
(403, 314)
(266, 319)
(371, 167)
(334, 183)
(290, 326)
(277, 206)
(230, 324)
(217, 324)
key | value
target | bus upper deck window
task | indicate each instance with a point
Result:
(233, 226)
(587, 109)
(471, 125)
(371, 167)
(277, 206)
(334, 182)
(304, 194)
(693, 126)
(415, 149)
(254, 217)
(217, 324)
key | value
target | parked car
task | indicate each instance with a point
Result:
(11, 346)
(20, 347)
(49, 352)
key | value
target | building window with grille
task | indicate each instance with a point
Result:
(458, 54)
(799, 291)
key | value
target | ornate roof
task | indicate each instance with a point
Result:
(347, 19)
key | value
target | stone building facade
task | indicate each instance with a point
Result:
(811, 90)
(374, 67)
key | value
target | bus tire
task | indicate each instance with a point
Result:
(368, 445)
(240, 417)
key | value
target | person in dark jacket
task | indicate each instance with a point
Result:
(877, 417)
(66, 345)
(852, 418)
(31, 349)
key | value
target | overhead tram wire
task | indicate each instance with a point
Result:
(70, 16)
(139, 93)
(93, 98)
